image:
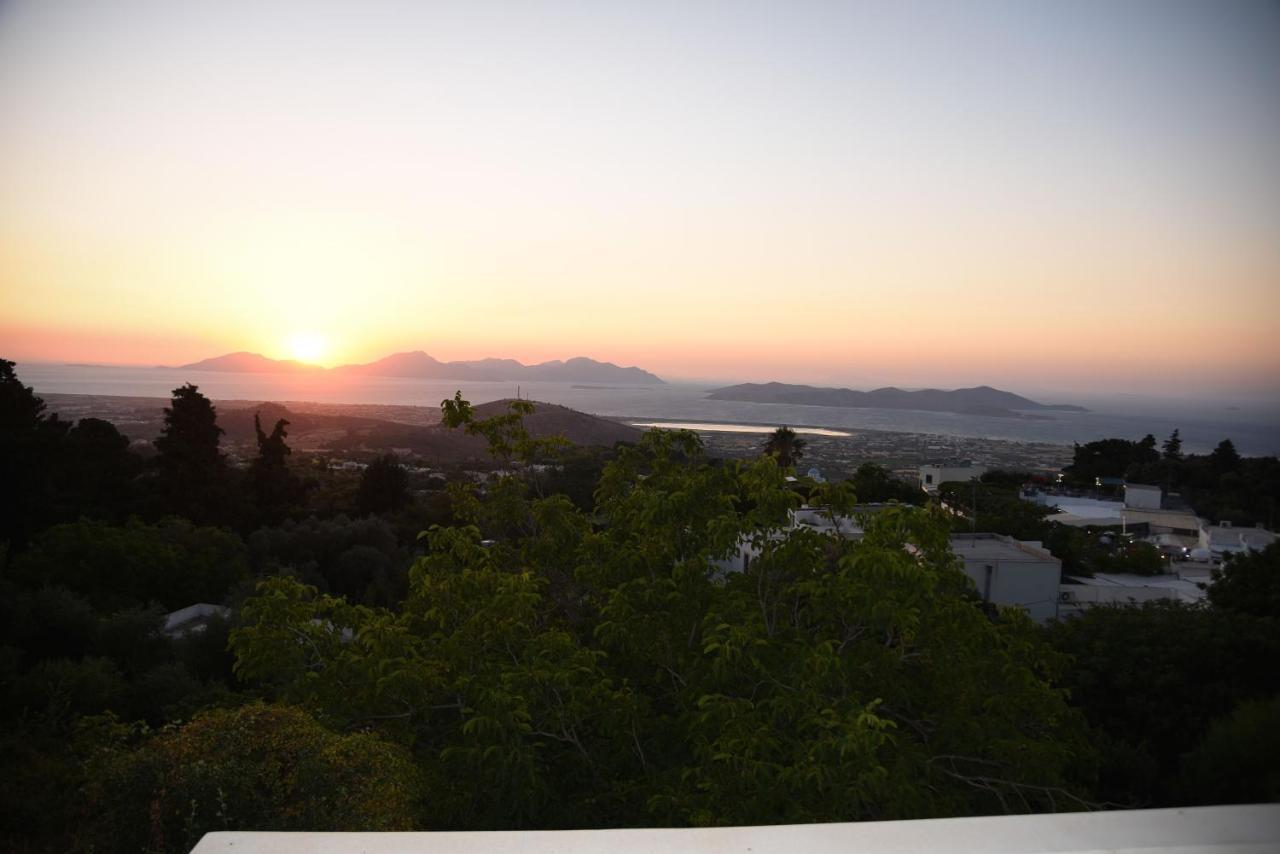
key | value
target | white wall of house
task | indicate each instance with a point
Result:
(1010, 572)
(932, 476)
(1142, 497)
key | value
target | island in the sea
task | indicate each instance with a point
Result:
(981, 400)
(420, 365)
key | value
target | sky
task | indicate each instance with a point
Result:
(1072, 196)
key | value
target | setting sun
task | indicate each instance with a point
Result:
(308, 347)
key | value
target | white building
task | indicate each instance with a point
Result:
(1079, 593)
(934, 475)
(1140, 511)
(1081, 512)
(1225, 539)
(193, 619)
(1006, 571)
(1138, 496)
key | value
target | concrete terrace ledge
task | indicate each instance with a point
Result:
(1235, 829)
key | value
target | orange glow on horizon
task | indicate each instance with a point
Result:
(838, 198)
(308, 347)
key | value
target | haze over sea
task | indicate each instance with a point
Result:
(1253, 425)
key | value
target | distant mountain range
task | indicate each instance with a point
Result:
(252, 363)
(418, 364)
(983, 400)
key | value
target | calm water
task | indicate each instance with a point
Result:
(1254, 427)
(704, 427)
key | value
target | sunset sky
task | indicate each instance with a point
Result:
(1074, 195)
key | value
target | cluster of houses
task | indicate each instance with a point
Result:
(1025, 574)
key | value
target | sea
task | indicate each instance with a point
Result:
(1252, 425)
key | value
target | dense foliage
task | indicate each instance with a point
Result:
(271, 768)
(785, 445)
(173, 563)
(1152, 678)
(1249, 583)
(566, 673)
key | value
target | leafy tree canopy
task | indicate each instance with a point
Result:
(192, 468)
(174, 563)
(1239, 760)
(554, 670)
(874, 483)
(258, 767)
(1151, 678)
(1109, 458)
(384, 487)
(360, 559)
(1249, 583)
(1224, 457)
(786, 446)
(276, 490)
(29, 445)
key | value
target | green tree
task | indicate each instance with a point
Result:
(1152, 678)
(550, 669)
(873, 483)
(97, 471)
(1000, 509)
(173, 563)
(1108, 458)
(1136, 558)
(1224, 458)
(508, 438)
(259, 767)
(360, 558)
(192, 468)
(1239, 760)
(1173, 447)
(785, 446)
(384, 487)
(275, 488)
(30, 446)
(1248, 583)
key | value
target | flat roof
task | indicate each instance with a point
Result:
(1168, 518)
(1129, 579)
(1231, 535)
(1187, 591)
(996, 547)
(1085, 508)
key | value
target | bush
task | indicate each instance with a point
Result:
(1239, 760)
(258, 767)
(174, 563)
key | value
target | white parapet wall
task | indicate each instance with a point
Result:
(1235, 829)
